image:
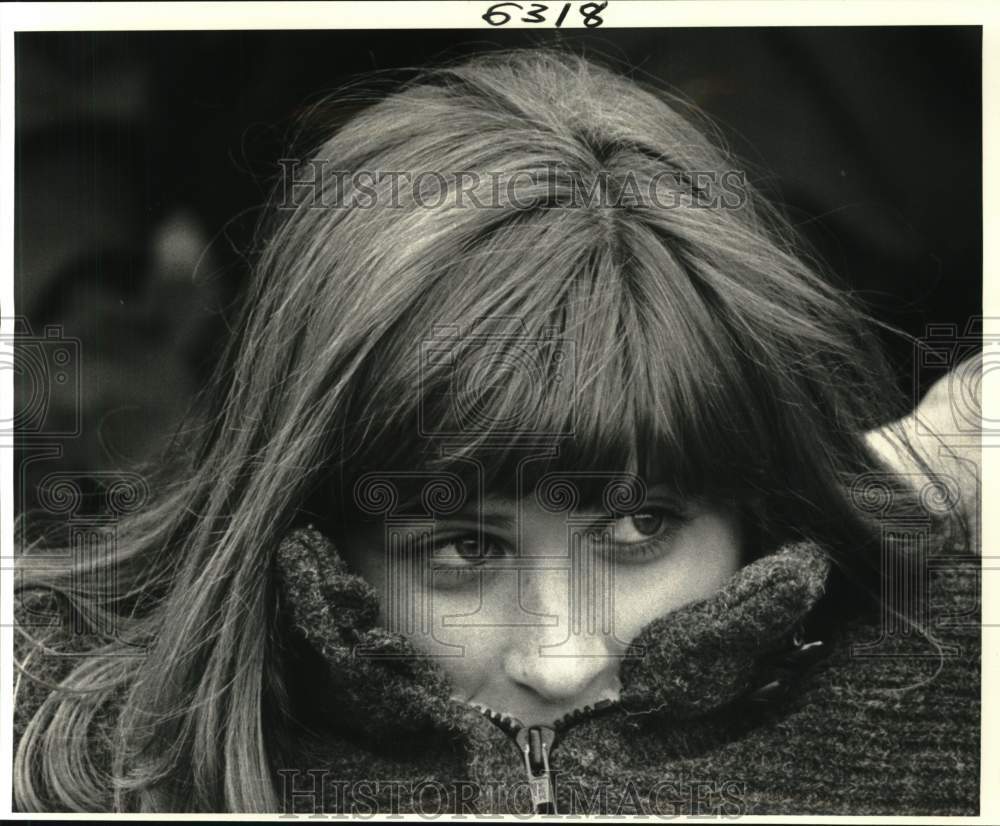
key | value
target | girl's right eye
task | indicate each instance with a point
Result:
(465, 551)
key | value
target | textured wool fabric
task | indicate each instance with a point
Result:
(884, 723)
(706, 654)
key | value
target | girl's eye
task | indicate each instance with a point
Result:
(636, 528)
(456, 563)
(465, 551)
(645, 536)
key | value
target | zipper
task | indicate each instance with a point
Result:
(536, 744)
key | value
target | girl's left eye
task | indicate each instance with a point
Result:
(636, 528)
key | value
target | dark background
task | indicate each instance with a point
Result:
(142, 159)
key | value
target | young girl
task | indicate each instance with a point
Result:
(541, 476)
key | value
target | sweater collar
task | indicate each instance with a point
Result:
(682, 665)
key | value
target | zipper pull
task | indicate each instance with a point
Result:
(536, 742)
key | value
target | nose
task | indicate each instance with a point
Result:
(560, 660)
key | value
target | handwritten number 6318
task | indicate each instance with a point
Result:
(536, 13)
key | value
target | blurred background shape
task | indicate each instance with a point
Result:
(143, 158)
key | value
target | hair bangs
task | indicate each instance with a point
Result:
(597, 361)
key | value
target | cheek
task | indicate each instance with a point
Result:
(465, 628)
(468, 628)
(705, 554)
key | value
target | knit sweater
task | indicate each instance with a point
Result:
(726, 707)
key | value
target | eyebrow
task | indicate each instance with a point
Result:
(493, 518)
(497, 519)
(501, 516)
(500, 519)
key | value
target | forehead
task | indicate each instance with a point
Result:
(558, 496)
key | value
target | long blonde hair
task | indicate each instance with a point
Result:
(703, 343)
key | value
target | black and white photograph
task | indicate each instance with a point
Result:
(451, 410)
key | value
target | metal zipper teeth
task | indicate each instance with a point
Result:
(539, 776)
(512, 725)
(578, 714)
(505, 722)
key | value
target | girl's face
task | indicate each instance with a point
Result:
(529, 611)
